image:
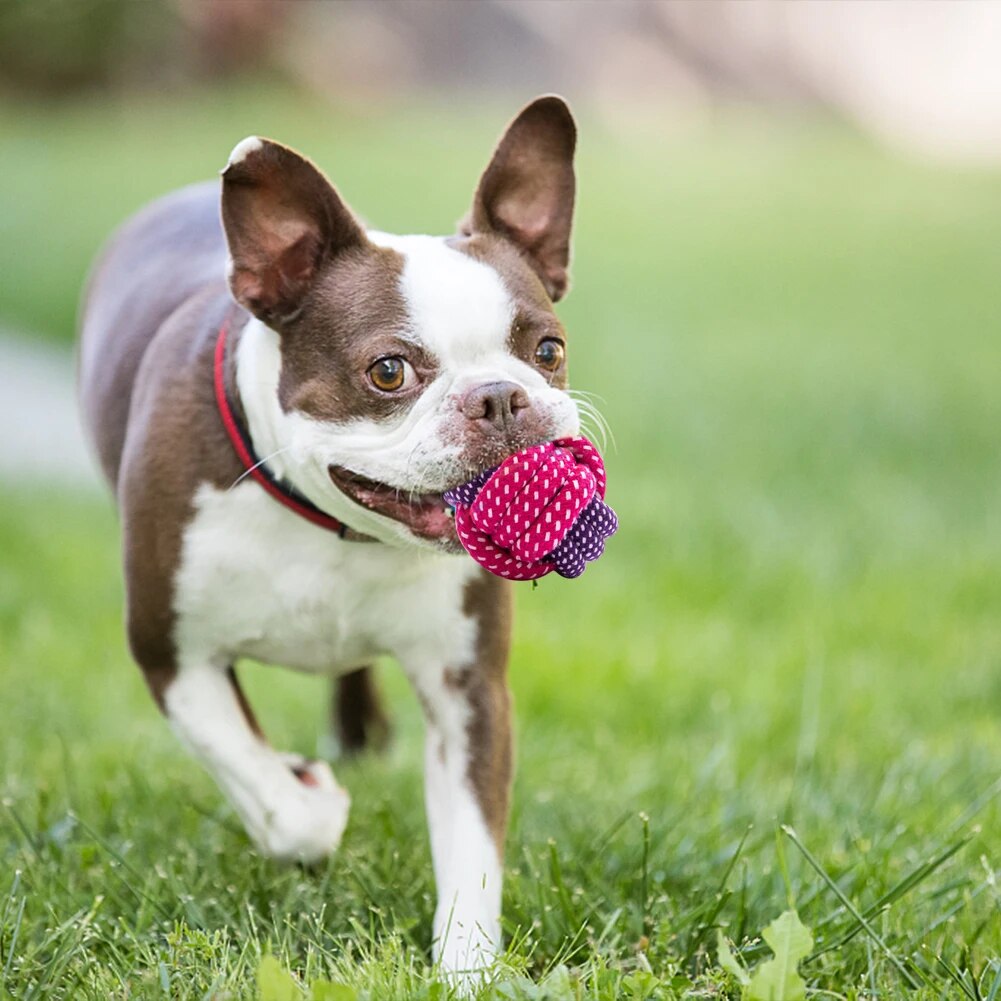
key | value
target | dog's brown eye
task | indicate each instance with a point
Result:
(550, 354)
(388, 374)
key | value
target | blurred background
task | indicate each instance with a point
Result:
(708, 127)
(786, 300)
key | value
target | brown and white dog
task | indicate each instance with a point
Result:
(369, 373)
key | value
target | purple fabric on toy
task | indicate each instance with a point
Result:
(466, 494)
(566, 472)
(586, 540)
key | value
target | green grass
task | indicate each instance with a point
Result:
(796, 339)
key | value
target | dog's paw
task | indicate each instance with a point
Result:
(313, 772)
(307, 824)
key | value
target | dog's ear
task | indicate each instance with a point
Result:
(526, 193)
(283, 220)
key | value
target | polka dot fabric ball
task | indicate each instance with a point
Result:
(540, 510)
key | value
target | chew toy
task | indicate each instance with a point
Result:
(541, 509)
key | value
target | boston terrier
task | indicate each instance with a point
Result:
(279, 397)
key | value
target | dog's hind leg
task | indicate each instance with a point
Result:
(292, 807)
(358, 719)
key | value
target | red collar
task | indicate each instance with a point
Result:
(240, 440)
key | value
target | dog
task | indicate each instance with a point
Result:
(278, 398)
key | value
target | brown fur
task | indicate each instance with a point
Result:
(527, 192)
(489, 601)
(156, 262)
(360, 722)
(325, 356)
(303, 265)
(535, 318)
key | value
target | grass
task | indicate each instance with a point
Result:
(781, 686)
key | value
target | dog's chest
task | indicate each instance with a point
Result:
(256, 580)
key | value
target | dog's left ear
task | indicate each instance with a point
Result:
(526, 193)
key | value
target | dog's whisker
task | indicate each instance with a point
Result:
(586, 400)
(593, 432)
(587, 423)
(412, 492)
(585, 395)
(256, 465)
(591, 410)
(415, 490)
(592, 416)
(589, 413)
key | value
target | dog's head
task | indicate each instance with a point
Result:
(403, 365)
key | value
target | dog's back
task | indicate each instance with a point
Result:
(157, 260)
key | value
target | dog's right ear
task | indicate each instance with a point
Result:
(283, 220)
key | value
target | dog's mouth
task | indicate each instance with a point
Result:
(426, 515)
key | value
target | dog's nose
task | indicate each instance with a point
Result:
(495, 405)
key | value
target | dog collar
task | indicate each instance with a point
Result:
(282, 492)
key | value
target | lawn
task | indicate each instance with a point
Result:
(781, 687)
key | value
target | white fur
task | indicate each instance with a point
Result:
(256, 580)
(467, 866)
(459, 308)
(468, 874)
(460, 311)
(285, 818)
(243, 149)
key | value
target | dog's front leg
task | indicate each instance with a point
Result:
(467, 787)
(467, 771)
(292, 807)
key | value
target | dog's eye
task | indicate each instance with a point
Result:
(389, 374)
(550, 354)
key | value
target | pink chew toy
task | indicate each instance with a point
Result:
(541, 509)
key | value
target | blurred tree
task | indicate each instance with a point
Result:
(59, 46)
(924, 75)
(233, 37)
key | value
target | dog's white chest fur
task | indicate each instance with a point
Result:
(256, 580)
